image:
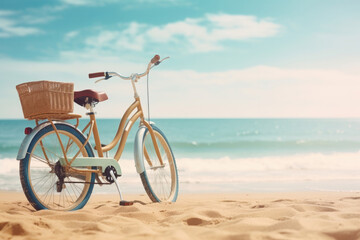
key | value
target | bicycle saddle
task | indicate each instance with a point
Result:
(89, 96)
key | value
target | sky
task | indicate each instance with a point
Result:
(228, 59)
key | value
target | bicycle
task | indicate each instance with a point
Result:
(58, 166)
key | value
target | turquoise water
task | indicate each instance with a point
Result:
(230, 152)
(224, 137)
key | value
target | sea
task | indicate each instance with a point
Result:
(229, 155)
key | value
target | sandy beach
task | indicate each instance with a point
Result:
(300, 215)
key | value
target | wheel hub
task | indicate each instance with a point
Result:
(60, 173)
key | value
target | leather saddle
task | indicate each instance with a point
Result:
(89, 96)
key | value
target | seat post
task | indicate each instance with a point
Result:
(96, 134)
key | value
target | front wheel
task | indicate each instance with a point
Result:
(160, 181)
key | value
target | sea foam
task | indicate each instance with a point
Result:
(341, 167)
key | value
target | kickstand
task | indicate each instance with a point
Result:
(122, 201)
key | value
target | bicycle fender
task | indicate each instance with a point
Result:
(138, 158)
(28, 138)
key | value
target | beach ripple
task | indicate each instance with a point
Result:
(316, 215)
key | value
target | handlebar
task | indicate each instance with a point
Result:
(135, 76)
(155, 59)
(98, 74)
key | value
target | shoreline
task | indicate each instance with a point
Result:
(270, 215)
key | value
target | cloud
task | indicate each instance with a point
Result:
(87, 2)
(6, 13)
(261, 91)
(32, 19)
(240, 27)
(258, 91)
(17, 23)
(129, 38)
(209, 33)
(71, 35)
(125, 3)
(11, 26)
(79, 2)
(283, 75)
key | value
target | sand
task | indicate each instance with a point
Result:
(302, 215)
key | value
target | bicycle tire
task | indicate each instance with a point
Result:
(29, 168)
(154, 177)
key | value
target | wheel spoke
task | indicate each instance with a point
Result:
(41, 159)
(52, 152)
(161, 178)
(43, 176)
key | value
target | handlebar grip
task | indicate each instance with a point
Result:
(155, 59)
(98, 74)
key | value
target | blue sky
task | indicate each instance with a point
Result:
(227, 58)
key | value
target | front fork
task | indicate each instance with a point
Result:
(139, 150)
(156, 146)
(134, 79)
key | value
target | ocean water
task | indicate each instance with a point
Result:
(230, 155)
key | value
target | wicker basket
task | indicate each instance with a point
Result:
(46, 98)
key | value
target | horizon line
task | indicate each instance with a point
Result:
(208, 118)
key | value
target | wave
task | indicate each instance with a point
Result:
(264, 147)
(227, 168)
(9, 147)
(267, 143)
(235, 147)
(286, 165)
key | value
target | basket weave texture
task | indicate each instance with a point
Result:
(45, 98)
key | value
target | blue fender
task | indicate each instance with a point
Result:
(28, 138)
(138, 144)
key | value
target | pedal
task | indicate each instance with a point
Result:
(126, 203)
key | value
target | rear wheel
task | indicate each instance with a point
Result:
(160, 181)
(45, 183)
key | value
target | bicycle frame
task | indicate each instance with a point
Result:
(121, 135)
(123, 131)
